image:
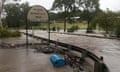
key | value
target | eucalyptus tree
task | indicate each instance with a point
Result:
(102, 20)
(24, 8)
(2, 4)
(16, 14)
(89, 8)
(1, 8)
(109, 22)
(117, 25)
(12, 15)
(65, 6)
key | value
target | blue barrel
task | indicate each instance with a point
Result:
(57, 60)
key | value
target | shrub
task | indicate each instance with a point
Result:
(5, 33)
(73, 28)
(53, 29)
(15, 34)
(117, 31)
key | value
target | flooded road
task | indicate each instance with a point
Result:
(17, 60)
(19, 40)
(108, 48)
(22, 60)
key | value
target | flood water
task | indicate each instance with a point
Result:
(108, 48)
(17, 60)
(23, 60)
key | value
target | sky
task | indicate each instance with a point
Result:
(113, 5)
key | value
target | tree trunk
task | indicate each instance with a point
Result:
(89, 29)
(64, 24)
(2, 6)
(65, 15)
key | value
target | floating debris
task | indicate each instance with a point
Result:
(76, 62)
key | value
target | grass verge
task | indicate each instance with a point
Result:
(6, 33)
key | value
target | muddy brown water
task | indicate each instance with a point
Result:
(108, 48)
(23, 60)
(17, 60)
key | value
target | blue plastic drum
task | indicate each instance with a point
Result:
(57, 60)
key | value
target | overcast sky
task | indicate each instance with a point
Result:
(113, 5)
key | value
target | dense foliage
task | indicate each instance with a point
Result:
(86, 9)
(5, 33)
(3, 3)
(109, 21)
(73, 28)
(16, 15)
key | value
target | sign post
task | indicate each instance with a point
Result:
(38, 13)
(26, 36)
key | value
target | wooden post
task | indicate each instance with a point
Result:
(99, 66)
(69, 47)
(84, 54)
(41, 41)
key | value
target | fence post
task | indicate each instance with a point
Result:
(69, 47)
(41, 40)
(56, 43)
(84, 54)
(99, 66)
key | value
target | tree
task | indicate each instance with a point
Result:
(65, 6)
(103, 22)
(24, 8)
(13, 14)
(16, 14)
(108, 21)
(117, 25)
(2, 7)
(89, 8)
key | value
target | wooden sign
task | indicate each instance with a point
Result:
(37, 14)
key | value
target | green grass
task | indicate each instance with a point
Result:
(61, 26)
(6, 33)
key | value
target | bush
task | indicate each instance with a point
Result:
(53, 29)
(73, 28)
(15, 34)
(117, 31)
(5, 33)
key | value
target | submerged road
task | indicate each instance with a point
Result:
(20, 60)
(108, 48)
(16, 60)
